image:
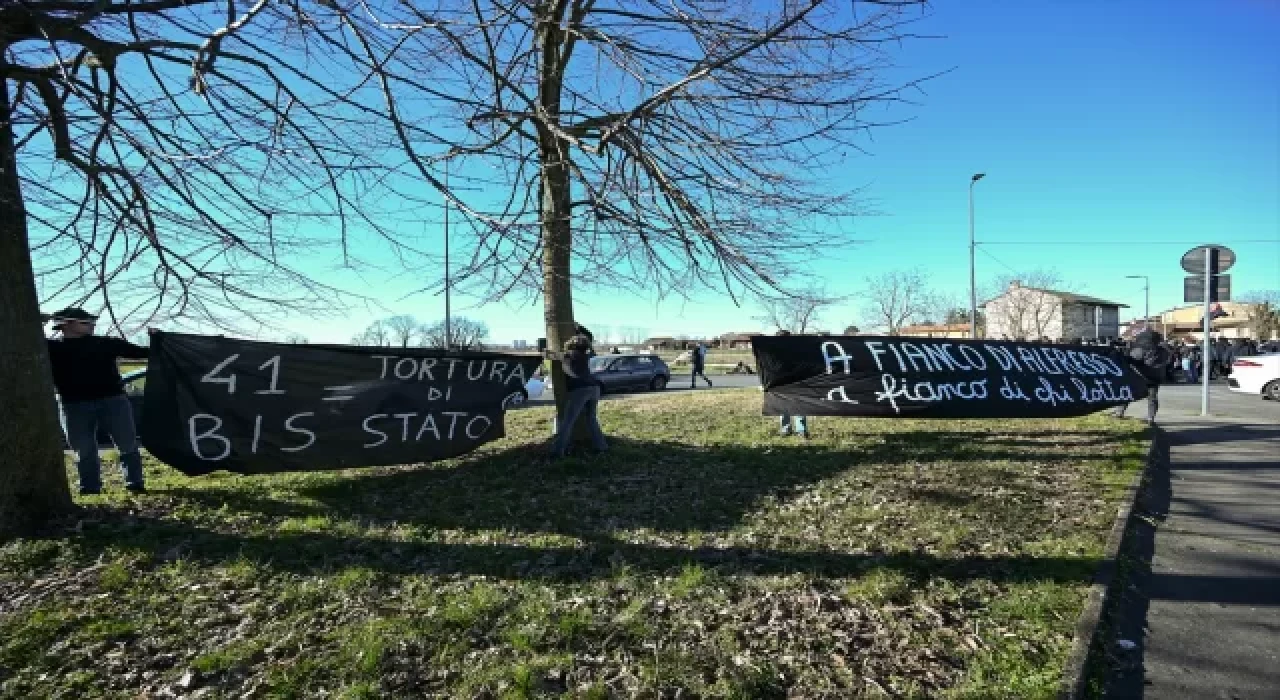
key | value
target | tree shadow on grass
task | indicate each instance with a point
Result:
(675, 488)
(310, 553)
(667, 486)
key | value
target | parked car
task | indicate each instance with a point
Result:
(1257, 374)
(533, 389)
(623, 372)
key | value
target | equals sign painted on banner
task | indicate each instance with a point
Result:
(341, 397)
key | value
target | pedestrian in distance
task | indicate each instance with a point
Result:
(698, 356)
(1149, 356)
(88, 382)
(583, 400)
(787, 425)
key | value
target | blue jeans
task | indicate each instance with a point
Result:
(1153, 403)
(116, 415)
(801, 424)
(582, 402)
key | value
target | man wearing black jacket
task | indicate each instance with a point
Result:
(92, 392)
(1149, 356)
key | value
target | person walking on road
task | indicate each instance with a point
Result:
(698, 356)
(584, 397)
(1149, 357)
(88, 382)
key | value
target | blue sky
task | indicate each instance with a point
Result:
(1115, 134)
(1098, 123)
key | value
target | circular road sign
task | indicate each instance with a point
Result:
(1193, 260)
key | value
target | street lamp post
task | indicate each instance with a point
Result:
(973, 278)
(1146, 288)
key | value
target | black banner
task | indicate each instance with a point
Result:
(937, 378)
(217, 403)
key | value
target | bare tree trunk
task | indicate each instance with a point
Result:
(33, 476)
(555, 204)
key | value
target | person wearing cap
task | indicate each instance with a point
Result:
(92, 392)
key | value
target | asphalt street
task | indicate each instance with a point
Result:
(680, 383)
(1184, 400)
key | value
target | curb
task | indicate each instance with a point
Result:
(1076, 670)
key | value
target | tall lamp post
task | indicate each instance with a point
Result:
(973, 277)
(1146, 288)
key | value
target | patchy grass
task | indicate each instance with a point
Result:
(704, 556)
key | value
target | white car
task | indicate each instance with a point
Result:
(1259, 374)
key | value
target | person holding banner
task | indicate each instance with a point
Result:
(583, 400)
(92, 392)
(801, 423)
(1149, 357)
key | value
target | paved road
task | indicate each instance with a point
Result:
(1184, 400)
(1206, 616)
(680, 383)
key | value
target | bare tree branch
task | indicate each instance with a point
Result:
(798, 313)
(897, 298)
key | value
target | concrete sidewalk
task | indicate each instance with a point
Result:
(1206, 616)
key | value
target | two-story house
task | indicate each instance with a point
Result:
(1031, 313)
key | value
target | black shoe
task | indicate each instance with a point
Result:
(90, 493)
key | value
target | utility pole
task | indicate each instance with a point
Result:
(1146, 288)
(973, 277)
(1209, 255)
(448, 324)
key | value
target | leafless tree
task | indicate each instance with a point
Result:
(851, 330)
(404, 330)
(633, 335)
(603, 332)
(376, 334)
(174, 159)
(649, 145)
(464, 334)
(296, 339)
(797, 312)
(1263, 313)
(897, 298)
(178, 155)
(1020, 308)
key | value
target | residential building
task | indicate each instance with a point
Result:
(936, 330)
(1186, 322)
(660, 342)
(1031, 313)
(735, 341)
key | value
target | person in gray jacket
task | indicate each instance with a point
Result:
(584, 397)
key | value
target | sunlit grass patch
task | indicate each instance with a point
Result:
(703, 556)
